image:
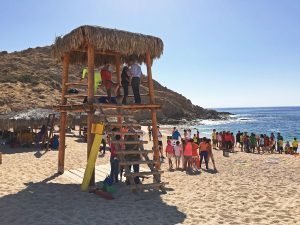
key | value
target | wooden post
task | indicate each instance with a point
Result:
(63, 115)
(153, 112)
(118, 71)
(90, 136)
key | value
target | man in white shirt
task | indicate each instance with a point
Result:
(135, 72)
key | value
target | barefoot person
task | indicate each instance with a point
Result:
(295, 145)
(195, 155)
(178, 154)
(187, 154)
(170, 153)
(160, 143)
(210, 153)
(203, 152)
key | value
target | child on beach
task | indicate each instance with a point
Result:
(280, 145)
(195, 155)
(177, 153)
(214, 138)
(252, 142)
(114, 161)
(272, 144)
(160, 143)
(210, 153)
(261, 144)
(188, 152)
(242, 142)
(287, 148)
(170, 153)
(220, 140)
(295, 145)
(204, 152)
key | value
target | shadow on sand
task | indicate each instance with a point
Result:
(46, 203)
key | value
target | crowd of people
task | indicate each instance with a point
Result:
(187, 151)
(255, 143)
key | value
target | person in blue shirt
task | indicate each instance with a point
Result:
(175, 134)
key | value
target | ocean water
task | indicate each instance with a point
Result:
(285, 120)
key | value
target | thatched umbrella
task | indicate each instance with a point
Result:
(130, 46)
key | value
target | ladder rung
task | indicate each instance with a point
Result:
(129, 152)
(147, 186)
(128, 106)
(143, 173)
(115, 115)
(95, 96)
(123, 124)
(76, 84)
(129, 142)
(127, 163)
(124, 133)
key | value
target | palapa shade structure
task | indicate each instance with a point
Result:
(96, 46)
(33, 118)
(107, 43)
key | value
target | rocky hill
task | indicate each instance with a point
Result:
(32, 78)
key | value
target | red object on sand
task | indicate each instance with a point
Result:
(104, 194)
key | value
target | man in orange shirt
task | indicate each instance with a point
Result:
(203, 152)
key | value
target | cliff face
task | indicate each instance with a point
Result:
(32, 78)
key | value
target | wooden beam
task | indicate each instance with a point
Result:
(63, 115)
(130, 152)
(95, 96)
(129, 142)
(129, 106)
(127, 163)
(91, 107)
(153, 112)
(90, 136)
(143, 173)
(148, 186)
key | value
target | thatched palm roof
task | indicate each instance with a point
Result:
(27, 118)
(130, 46)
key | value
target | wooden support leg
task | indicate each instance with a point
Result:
(62, 144)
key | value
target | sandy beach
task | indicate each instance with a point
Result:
(248, 189)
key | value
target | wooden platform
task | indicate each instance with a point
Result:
(95, 106)
(101, 172)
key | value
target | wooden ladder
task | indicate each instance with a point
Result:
(125, 161)
(49, 127)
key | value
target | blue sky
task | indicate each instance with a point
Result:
(218, 53)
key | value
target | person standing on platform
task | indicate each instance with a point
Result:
(125, 80)
(106, 80)
(135, 72)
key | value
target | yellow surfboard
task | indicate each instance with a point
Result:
(97, 129)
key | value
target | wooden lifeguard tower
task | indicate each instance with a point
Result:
(94, 46)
